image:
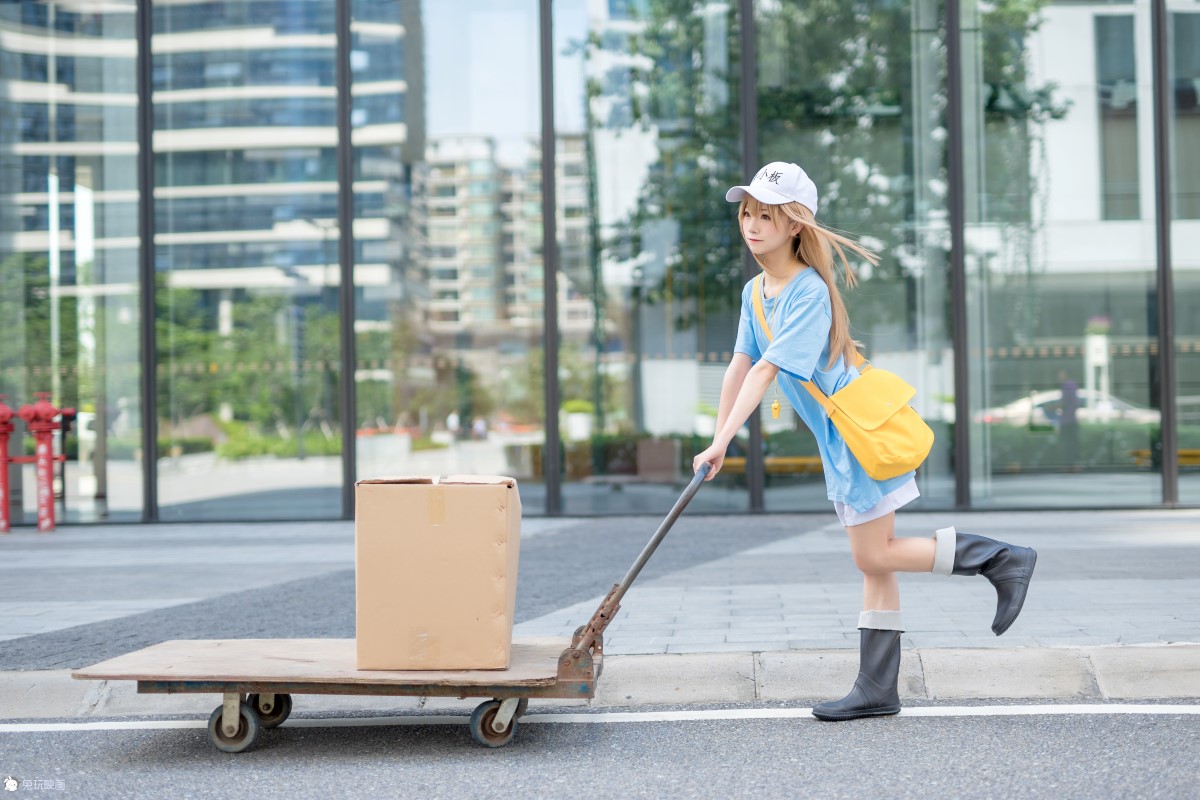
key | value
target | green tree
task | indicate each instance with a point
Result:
(253, 368)
(1015, 113)
(26, 343)
(695, 112)
(377, 399)
(184, 341)
(835, 89)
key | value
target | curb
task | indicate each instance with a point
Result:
(1120, 672)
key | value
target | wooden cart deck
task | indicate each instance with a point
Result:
(327, 666)
(257, 678)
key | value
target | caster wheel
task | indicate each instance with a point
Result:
(247, 732)
(274, 716)
(481, 725)
(522, 707)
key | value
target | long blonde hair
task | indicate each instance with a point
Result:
(815, 246)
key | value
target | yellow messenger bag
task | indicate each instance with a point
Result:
(885, 433)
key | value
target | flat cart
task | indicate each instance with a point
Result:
(258, 677)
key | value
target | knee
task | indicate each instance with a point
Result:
(872, 561)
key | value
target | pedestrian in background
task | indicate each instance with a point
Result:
(811, 341)
(1068, 420)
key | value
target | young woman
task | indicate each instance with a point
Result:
(811, 341)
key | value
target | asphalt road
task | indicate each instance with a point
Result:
(1055, 755)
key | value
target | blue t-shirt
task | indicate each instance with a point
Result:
(800, 349)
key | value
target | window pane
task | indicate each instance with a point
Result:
(246, 251)
(1184, 80)
(448, 270)
(1184, 41)
(69, 295)
(648, 142)
(1060, 257)
(1116, 79)
(868, 126)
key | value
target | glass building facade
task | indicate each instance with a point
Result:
(268, 247)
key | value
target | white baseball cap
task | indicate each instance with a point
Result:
(777, 183)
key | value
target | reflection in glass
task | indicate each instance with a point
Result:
(648, 141)
(246, 237)
(1184, 81)
(448, 240)
(852, 94)
(69, 297)
(1060, 255)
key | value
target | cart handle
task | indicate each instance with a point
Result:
(661, 533)
(612, 602)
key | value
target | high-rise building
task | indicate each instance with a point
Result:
(264, 247)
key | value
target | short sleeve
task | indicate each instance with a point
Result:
(746, 343)
(800, 337)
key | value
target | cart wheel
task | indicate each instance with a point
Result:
(481, 725)
(278, 712)
(522, 707)
(248, 727)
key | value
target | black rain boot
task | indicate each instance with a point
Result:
(874, 693)
(1008, 567)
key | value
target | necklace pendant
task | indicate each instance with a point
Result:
(775, 410)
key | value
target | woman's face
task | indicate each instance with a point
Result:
(762, 234)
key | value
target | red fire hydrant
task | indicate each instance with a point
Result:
(6, 429)
(39, 418)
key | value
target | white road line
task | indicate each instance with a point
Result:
(802, 713)
(626, 716)
(48, 727)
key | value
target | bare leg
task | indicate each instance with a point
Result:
(879, 556)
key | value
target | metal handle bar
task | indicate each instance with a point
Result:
(661, 533)
(612, 602)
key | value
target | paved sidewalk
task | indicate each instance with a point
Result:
(731, 609)
(1101, 579)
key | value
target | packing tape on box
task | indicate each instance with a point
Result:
(437, 504)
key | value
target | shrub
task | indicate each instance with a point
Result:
(577, 406)
(247, 444)
(1105, 446)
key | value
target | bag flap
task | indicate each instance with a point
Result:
(873, 397)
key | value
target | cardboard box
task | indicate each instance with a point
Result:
(436, 571)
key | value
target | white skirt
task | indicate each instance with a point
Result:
(890, 502)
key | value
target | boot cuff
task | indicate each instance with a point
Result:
(943, 554)
(881, 620)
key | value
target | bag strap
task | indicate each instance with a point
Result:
(812, 387)
(758, 307)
